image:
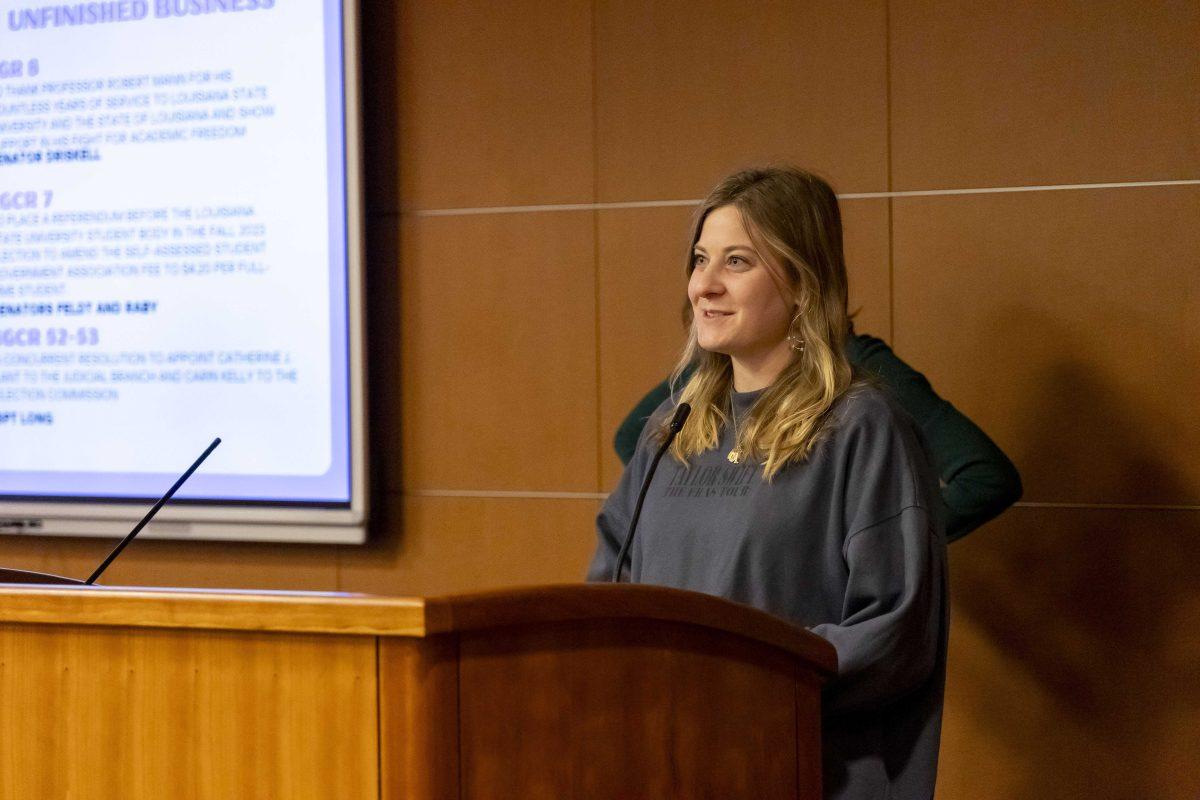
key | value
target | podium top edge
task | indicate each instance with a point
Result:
(578, 603)
(213, 609)
(375, 615)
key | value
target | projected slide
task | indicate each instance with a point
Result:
(172, 249)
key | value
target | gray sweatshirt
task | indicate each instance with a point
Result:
(847, 543)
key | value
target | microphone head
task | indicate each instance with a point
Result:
(681, 414)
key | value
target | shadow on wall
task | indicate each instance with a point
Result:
(1094, 612)
(381, 186)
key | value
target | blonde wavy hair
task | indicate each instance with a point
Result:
(793, 221)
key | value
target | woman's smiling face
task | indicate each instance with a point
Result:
(736, 295)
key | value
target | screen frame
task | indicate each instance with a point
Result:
(238, 520)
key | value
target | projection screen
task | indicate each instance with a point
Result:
(180, 259)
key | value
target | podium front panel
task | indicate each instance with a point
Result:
(145, 713)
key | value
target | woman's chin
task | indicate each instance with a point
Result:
(712, 344)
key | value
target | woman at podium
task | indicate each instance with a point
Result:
(796, 485)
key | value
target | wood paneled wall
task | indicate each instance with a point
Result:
(525, 252)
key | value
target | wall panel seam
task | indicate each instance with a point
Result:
(887, 88)
(505, 493)
(596, 306)
(1115, 506)
(502, 494)
(538, 209)
(887, 100)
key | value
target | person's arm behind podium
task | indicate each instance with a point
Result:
(978, 480)
(626, 439)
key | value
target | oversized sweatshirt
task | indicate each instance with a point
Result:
(848, 543)
(978, 480)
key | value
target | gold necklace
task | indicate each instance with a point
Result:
(735, 455)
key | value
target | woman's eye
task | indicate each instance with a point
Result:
(737, 261)
(697, 259)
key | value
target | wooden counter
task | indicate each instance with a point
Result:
(584, 691)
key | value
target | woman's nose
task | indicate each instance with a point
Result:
(707, 282)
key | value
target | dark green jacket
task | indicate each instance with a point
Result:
(977, 479)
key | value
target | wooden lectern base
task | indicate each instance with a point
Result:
(572, 691)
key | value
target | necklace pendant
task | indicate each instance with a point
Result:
(735, 455)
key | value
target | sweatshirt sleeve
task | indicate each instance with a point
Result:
(612, 523)
(892, 615)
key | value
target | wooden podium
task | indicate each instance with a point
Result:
(590, 691)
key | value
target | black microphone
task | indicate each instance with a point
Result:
(681, 415)
(25, 576)
(150, 514)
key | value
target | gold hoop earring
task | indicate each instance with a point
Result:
(793, 339)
